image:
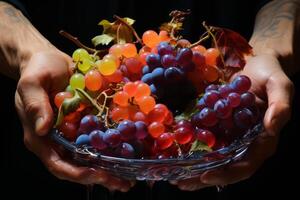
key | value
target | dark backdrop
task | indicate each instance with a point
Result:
(23, 174)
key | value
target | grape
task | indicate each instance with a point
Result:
(70, 89)
(93, 80)
(153, 60)
(210, 98)
(106, 66)
(168, 60)
(243, 118)
(89, 123)
(165, 140)
(169, 119)
(211, 56)
(140, 116)
(208, 117)
(163, 36)
(146, 69)
(156, 129)
(206, 137)
(157, 92)
(116, 77)
(121, 98)
(60, 97)
(112, 57)
(112, 137)
(119, 113)
(83, 139)
(173, 74)
(133, 65)
(129, 50)
(116, 50)
(183, 135)
(164, 48)
(147, 78)
(190, 67)
(80, 54)
(68, 130)
(127, 129)
(234, 99)
(183, 123)
(158, 76)
(141, 130)
(96, 138)
(199, 48)
(142, 90)
(150, 38)
(222, 109)
(85, 64)
(198, 59)
(77, 81)
(130, 88)
(184, 56)
(158, 114)
(224, 90)
(247, 99)
(73, 117)
(126, 150)
(241, 84)
(211, 87)
(210, 73)
(183, 43)
(146, 104)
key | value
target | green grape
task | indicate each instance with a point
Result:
(85, 64)
(80, 54)
(69, 89)
(77, 81)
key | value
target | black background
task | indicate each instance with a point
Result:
(23, 174)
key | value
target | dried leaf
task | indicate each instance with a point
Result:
(233, 46)
(103, 39)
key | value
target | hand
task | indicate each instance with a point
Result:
(274, 90)
(45, 74)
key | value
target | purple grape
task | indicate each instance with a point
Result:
(97, 140)
(83, 139)
(126, 150)
(211, 97)
(184, 56)
(208, 117)
(222, 109)
(89, 123)
(158, 92)
(189, 67)
(164, 48)
(153, 60)
(211, 87)
(234, 99)
(127, 130)
(112, 137)
(146, 69)
(241, 84)
(141, 130)
(226, 124)
(225, 90)
(201, 104)
(147, 78)
(158, 76)
(173, 74)
(168, 61)
(247, 99)
(243, 118)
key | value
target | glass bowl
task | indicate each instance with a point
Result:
(159, 169)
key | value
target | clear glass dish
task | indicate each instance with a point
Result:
(159, 169)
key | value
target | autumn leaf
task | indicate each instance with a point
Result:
(114, 31)
(233, 46)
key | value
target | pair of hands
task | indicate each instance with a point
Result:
(47, 73)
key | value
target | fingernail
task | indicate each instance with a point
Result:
(39, 124)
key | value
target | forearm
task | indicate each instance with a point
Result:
(276, 32)
(18, 41)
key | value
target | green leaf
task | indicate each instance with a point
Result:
(129, 20)
(103, 39)
(199, 146)
(105, 23)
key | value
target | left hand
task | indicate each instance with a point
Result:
(272, 88)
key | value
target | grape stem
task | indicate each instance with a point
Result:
(90, 99)
(130, 27)
(203, 37)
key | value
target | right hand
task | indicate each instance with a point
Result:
(45, 74)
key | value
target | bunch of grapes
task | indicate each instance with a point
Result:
(122, 104)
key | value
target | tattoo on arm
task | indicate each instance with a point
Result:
(272, 16)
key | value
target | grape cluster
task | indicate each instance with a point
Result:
(122, 104)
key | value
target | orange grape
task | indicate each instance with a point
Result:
(60, 97)
(199, 48)
(116, 50)
(119, 113)
(93, 80)
(211, 56)
(150, 38)
(121, 98)
(112, 57)
(156, 129)
(129, 50)
(145, 49)
(140, 116)
(142, 90)
(169, 119)
(163, 36)
(210, 73)
(130, 88)
(143, 57)
(73, 117)
(116, 77)
(158, 114)
(146, 104)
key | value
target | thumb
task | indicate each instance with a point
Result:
(36, 103)
(280, 93)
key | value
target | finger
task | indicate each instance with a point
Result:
(260, 150)
(191, 184)
(280, 93)
(36, 104)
